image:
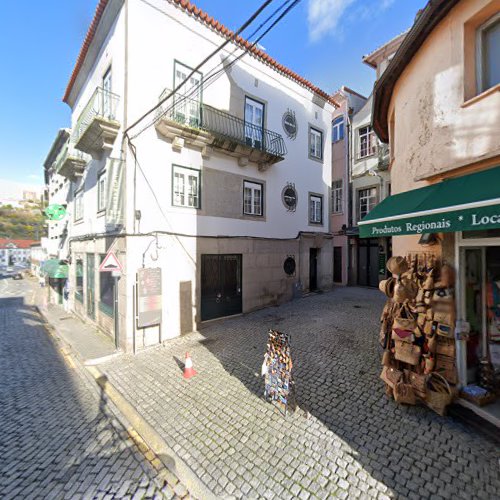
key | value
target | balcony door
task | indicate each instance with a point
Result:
(188, 98)
(254, 123)
(106, 94)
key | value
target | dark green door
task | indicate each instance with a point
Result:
(221, 293)
(91, 285)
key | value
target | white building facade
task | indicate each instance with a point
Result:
(225, 187)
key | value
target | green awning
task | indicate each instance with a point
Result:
(55, 268)
(467, 203)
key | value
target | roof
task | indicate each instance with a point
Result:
(201, 16)
(372, 59)
(18, 243)
(433, 13)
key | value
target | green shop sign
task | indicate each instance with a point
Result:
(460, 220)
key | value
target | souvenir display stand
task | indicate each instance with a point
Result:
(277, 370)
(417, 332)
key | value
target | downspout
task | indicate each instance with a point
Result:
(348, 190)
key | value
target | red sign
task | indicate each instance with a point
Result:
(110, 264)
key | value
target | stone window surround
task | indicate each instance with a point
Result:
(310, 196)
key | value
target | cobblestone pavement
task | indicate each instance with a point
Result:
(58, 439)
(346, 440)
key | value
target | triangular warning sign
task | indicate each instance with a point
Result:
(110, 263)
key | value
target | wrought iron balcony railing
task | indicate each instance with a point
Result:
(103, 104)
(191, 113)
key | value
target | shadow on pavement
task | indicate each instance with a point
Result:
(58, 437)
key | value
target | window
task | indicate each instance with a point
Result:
(106, 290)
(107, 107)
(252, 198)
(79, 280)
(186, 187)
(254, 123)
(315, 144)
(367, 144)
(79, 205)
(315, 209)
(367, 199)
(337, 206)
(488, 54)
(338, 129)
(187, 110)
(101, 192)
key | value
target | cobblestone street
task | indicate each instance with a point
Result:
(346, 440)
(59, 438)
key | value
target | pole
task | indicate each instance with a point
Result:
(115, 312)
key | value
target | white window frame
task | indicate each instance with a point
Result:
(101, 191)
(337, 196)
(187, 110)
(315, 209)
(315, 150)
(338, 129)
(368, 195)
(253, 198)
(366, 133)
(183, 194)
(479, 53)
(78, 205)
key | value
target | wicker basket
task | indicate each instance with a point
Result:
(439, 393)
(408, 353)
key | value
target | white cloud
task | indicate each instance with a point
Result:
(326, 17)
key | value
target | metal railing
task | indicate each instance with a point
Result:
(103, 104)
(68, 151)
(190, 112)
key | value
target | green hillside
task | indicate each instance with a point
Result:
(22, 223)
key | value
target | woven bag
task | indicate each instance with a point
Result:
(439, 394)
(391, 376)
(408, 353)
(445, 366)
(418, 382)
(403, 393)
(405, 320)
(445, 347)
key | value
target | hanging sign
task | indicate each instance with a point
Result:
(277, 369)
(55, 212)
(149, 298)
(110, 264)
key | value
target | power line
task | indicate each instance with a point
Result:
(216, 73)
(212, 54)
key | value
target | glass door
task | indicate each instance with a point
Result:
(91, 285)
(254, 123)
(106, 95)
(188, 98)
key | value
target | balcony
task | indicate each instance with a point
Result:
(70, 162)
(187, 121)
(97, 127)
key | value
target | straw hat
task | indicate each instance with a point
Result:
(397, 265)
(387, 287)
(405, 289)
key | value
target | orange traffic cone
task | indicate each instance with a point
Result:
(189, 371)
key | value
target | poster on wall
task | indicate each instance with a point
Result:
(149, 309)
(277, 370)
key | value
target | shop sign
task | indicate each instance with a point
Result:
(149, 297)
(473, 219)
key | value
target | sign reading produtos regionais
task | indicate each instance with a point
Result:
(473, 219)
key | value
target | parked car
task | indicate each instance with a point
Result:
(17, 275)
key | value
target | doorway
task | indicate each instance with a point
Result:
(337, 264)
(91, 285)
(313, 269)
(368, 265)
(221, 293)
(254, 122)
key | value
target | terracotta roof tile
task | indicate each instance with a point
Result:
(203, 17)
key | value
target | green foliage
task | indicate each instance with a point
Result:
(22, 223)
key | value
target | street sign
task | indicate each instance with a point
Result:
(110, 264)
(149, 297)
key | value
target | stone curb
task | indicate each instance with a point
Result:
(150, 444)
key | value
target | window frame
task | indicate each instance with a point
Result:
(261, 188)
(339, 124)
(79, 295)
(340, 200)
(372, 146)
(479, 69)
(105, 307)
(253, 135)
(358, 200)
(188, 118)
(309, 207)
(101, 176)
(78, 205)
(310, 134)
(186, 194)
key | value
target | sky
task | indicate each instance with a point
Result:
(322, 40)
